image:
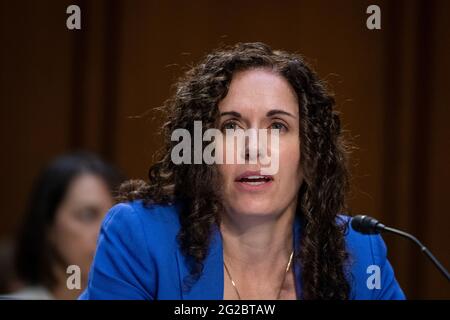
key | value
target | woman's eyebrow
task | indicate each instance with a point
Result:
(231, 113)
(277, 111)
(268, 114)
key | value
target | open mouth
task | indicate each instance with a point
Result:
(255, 180)
(252, 180)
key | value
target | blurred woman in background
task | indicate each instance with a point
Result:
(61, 223)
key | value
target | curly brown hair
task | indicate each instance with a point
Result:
(322, 256)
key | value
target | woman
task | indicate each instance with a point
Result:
(227, 231)
(68, 203)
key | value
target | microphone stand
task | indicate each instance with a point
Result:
(424, 249)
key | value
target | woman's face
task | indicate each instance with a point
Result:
(262, 99)
(78, 219)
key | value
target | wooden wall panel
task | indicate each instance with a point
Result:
(35, 97)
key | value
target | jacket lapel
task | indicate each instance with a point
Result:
(210, 285)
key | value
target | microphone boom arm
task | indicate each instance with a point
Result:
(420, 244)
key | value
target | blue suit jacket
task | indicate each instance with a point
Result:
(138, 257)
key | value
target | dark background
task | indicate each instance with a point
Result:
(62, 90)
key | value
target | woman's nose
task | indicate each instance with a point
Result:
(252, 149)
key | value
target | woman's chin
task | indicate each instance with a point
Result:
(255, 209)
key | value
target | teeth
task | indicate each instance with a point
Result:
(256, 183)
(255, 180)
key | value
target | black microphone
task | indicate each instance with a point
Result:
(368, 225)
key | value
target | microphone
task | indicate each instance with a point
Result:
(368, 225)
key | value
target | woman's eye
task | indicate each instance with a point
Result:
(278, 126)
(88, 215)
(230, 126)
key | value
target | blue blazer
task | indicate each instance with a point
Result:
(138, 257)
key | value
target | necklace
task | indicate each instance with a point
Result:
(281, 286)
